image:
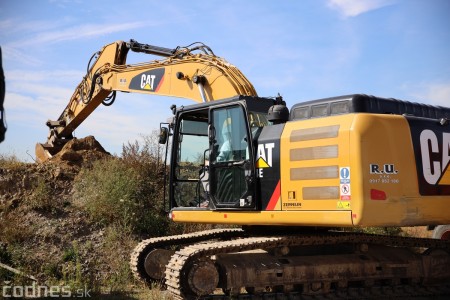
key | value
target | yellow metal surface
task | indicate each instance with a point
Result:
(377, 154)
(445, 177)
(384, 142)
(314, 151)
(309, 218)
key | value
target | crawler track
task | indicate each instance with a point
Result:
(182, 262)
(174, 242)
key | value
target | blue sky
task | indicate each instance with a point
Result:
(304, 50)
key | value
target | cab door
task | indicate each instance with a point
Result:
(232, 175)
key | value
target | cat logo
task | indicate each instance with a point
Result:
(264, 155)
(264, 158)
(435, 161)
(149, 81)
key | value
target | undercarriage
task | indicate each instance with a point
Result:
(236, 263)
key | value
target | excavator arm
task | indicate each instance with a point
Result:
(191, 72)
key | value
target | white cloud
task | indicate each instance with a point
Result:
(13, 26)
(6, 24)
(51, 33)
(77, 32)
(433, 93)
(41, 90)
(353, 8)
(33, 110)
(45, 76)
(10, 53)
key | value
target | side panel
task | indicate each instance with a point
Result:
(316, 173)
(389, 171)
(386, 167)
(363, 164)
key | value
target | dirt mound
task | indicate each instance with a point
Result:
(19, 181)
(41, 225)
(48, 226)
(80, 151)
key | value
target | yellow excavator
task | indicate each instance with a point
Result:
(291, 182)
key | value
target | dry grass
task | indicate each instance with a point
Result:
(418, 231)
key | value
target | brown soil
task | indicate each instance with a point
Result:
(42, 230)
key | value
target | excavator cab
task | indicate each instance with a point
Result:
(212, 156)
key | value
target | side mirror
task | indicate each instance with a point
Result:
(163, 134)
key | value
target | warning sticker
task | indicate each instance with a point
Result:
(343, 205)
(345, 192)
(344, 177)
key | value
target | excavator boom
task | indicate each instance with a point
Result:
(192, 72)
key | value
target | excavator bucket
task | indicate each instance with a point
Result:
(42, 152)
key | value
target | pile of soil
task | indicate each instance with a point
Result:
(43, 232)
(80, 152)
(18, 180)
